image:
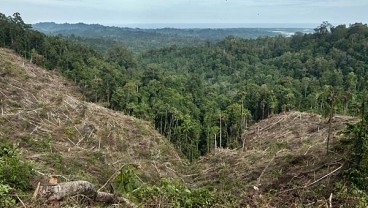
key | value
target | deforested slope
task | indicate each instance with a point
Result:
(46, 117)
(283, 163)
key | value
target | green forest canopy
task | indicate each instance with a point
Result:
(140, 40)
(196, 94)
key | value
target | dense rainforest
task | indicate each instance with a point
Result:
(204, 96)
(140, 40)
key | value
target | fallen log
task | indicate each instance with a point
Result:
(57, 192)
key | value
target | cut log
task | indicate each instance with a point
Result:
(58, 192)
(111, 198)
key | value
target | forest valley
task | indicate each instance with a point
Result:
(205, 96)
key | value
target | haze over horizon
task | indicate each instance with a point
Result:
(216, 25)
(191, 13)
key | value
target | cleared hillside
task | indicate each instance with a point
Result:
(283, 163)
(45, 115)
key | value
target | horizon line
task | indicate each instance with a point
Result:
(197, 25)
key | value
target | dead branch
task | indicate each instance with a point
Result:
(314, 182)
(112, 177)
(49, 121)
(172, 170)
(21, 201)
(36, 191)
(323, 177)
(89, 136)
(308, 149)
(155, 166)
(330, 201)
(16, 87)
(78, 131)
(36, 98)
(67, 117)
(264, 170)
(191, 175)
(272, 125)
(4, 95)
(79, 141)
(71, 141)
(34, 130)
(68, 104)
(35, 124)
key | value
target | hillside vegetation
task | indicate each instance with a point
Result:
(140, 40)
(233, 108)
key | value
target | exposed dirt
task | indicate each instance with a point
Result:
(64, 135)
(283, 160)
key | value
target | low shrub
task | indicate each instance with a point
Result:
(14, 172)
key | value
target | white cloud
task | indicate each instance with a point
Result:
(189, 11)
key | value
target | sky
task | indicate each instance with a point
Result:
(148, 13)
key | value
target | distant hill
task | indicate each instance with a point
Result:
(142, 39)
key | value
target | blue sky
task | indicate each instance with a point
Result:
(146, 12)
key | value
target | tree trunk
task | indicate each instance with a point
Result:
(215, 143)
(220, 132)
(165, 125)
(62, 190)
(331, 115)
(208, 140)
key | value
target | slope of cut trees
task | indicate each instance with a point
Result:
(283, 161)
(45, 117)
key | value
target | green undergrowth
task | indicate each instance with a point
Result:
(15, 173)
(355, 145)
(165, 193)
(5, 199)
(9, 68)
(173, 193)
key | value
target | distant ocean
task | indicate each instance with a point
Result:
(289, 33)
